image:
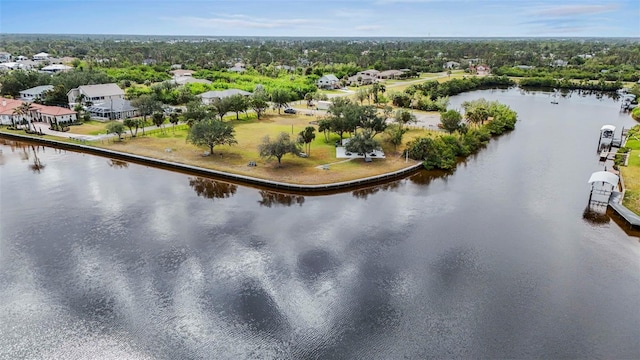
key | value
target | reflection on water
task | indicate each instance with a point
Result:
(212, 189)
(118, 164)
(271, 198)
(364, 193)
(494, 260)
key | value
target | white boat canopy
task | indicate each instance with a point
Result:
(604, 176)
(608, 127)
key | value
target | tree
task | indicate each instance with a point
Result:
(173, 119)
(476, 111)
(131, 123)
(196, 112)
(362, 94)
(56, 96)
(404, 117)
(377, 89)
(238, 103)
(259, 102)
(280, 98)
(22, 111)
(117, 128)
(211, 132)
(306, 137)
(395, 133)
(369, 119)
(146, 105)
(281, 146)
(362, 142)
(450, 120)
(158, 119)
(221, 106)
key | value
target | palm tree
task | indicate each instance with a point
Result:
(23, 110)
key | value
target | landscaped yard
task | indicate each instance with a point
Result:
(249, 134)
(631, 177)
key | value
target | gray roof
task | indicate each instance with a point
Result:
(101, 90)
(37, 90)
(114, 105)
(330, 77)
(223, 94)
(181, 80)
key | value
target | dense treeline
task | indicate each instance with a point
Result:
(442, 152)
(428, 55)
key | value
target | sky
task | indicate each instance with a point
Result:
(326, 18)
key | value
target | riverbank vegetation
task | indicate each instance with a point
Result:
(484, 120)
(631, 173)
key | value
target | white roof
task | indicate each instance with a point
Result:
(41, 54)
(608, 127)
(55, 67)
(37, 90)
(224, 93)
(605, 176)
(101, 90)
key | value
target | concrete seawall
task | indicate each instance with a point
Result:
(240, 179)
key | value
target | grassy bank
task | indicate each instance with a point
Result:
(631, 172)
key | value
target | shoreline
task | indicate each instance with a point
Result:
(319, 189)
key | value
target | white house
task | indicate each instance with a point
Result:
(210, 96)
(52, 69)
(451, 65)
(53, 114)
(34, 93)
(41, 56)
(38, 113)
(329, 81)
(5, 57)
(95, 93)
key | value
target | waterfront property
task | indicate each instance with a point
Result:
(112, 109)
(93, 94)
(11, 113)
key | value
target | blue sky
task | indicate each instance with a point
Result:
(419, 18)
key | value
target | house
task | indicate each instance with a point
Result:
(524, 67)
(481, 70)
(360, 79)
(390, 74)
(149, 62)
(112, 109)
(56, 68)
(41, 56)
(329, 81)
(370, 72)
(179, 72)
(210, 96)
(176, 66)
(236, 69)
(181, 80)
(94, 93)
(34, 93)
(560, 63)
(39, 113)
(54, 114)
(4, 57)
(451, 65)
(21, 58)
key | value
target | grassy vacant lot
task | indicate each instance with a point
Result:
(249, 134)
(631, 176)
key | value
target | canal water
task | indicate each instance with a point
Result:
(110, 260)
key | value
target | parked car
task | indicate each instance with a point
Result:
(290, 111)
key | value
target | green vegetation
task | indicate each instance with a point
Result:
(279, 147)
(442, 152)
(631, 173)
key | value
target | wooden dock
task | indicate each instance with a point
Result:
(615, 202)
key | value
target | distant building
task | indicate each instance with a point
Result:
(451, 65)
(41, 56)
(56, 68)
(34, 93)
(361, 79)
(5, 57)
(210, 96)
(390, 74)
(236, 69)
(329, 81)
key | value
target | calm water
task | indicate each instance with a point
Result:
(102, 259)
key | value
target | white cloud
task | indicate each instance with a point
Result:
(239, 20)
(572, 10)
